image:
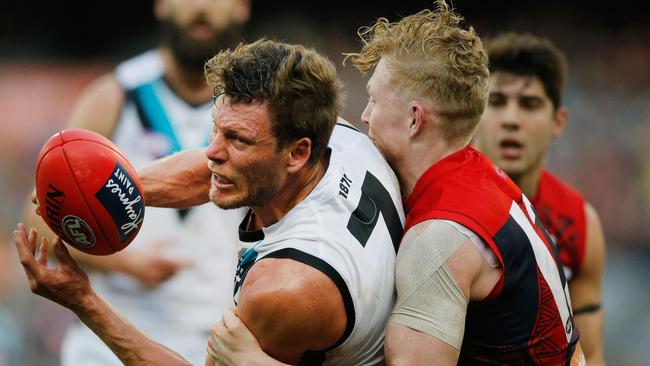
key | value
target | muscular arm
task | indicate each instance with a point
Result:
(68, 285)
(445, 269)
(180, 180)
(291, 308)
(586, 291)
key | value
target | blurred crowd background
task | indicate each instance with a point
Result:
(49, 52)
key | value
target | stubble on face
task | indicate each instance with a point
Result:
(255, 185)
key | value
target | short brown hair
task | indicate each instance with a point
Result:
(527, 55)
(432, 54)
(298, 84)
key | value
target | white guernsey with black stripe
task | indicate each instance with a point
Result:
(348, 227)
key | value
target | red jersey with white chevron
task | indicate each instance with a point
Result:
(562, 211)
(526, 319)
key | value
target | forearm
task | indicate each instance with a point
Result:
(181, 180)
(130, 345)
(591, 334)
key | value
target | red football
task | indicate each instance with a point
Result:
(88, 192)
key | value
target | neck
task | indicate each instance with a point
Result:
(188, 84)
(297, 187)
(529, 182)
(420, 157)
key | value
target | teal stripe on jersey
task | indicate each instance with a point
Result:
(156, 115)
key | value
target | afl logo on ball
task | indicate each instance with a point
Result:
(78, 231)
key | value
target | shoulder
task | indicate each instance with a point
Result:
(434, 242)
(140, 69)
(556, 186)
(291, 307)
(99, 106)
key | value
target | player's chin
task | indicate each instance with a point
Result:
(512, 168)
(225, 200)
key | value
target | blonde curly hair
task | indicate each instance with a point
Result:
(432, 55)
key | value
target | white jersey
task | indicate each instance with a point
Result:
(155, 122)
(348, 227)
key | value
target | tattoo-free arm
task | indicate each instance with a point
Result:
(586, 291)
(180, 180)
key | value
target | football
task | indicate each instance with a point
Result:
(88, 193)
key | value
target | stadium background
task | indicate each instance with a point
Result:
(50, 51)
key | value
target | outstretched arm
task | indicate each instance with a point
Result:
(68, 285)
(180, 180)
(586, 292)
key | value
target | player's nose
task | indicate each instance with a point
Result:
(216, 150)
(510, 117)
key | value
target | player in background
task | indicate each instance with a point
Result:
(523, 116)
(177, 274)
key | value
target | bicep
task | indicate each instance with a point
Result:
(291, 308)
(432, 297)
(98, 107)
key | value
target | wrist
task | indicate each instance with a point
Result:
(84, 304)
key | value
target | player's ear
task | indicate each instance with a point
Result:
(161, 9)
(242, 11)
(560, 119)
(417, 114)
(299, 153)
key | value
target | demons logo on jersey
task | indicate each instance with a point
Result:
(123, 200)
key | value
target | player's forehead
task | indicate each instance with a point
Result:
(379, 78)
(253, 117)
(516, 85)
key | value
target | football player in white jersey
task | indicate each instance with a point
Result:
(315, 280)
(172, 279)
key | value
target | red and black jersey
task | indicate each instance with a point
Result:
(562, 212)
(526, 320)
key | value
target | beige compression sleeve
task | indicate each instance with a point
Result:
(428, 297)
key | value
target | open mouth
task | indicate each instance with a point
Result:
(201, 29)
(221, 181)
(511, 149)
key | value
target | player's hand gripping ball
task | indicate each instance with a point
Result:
(88, 192)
